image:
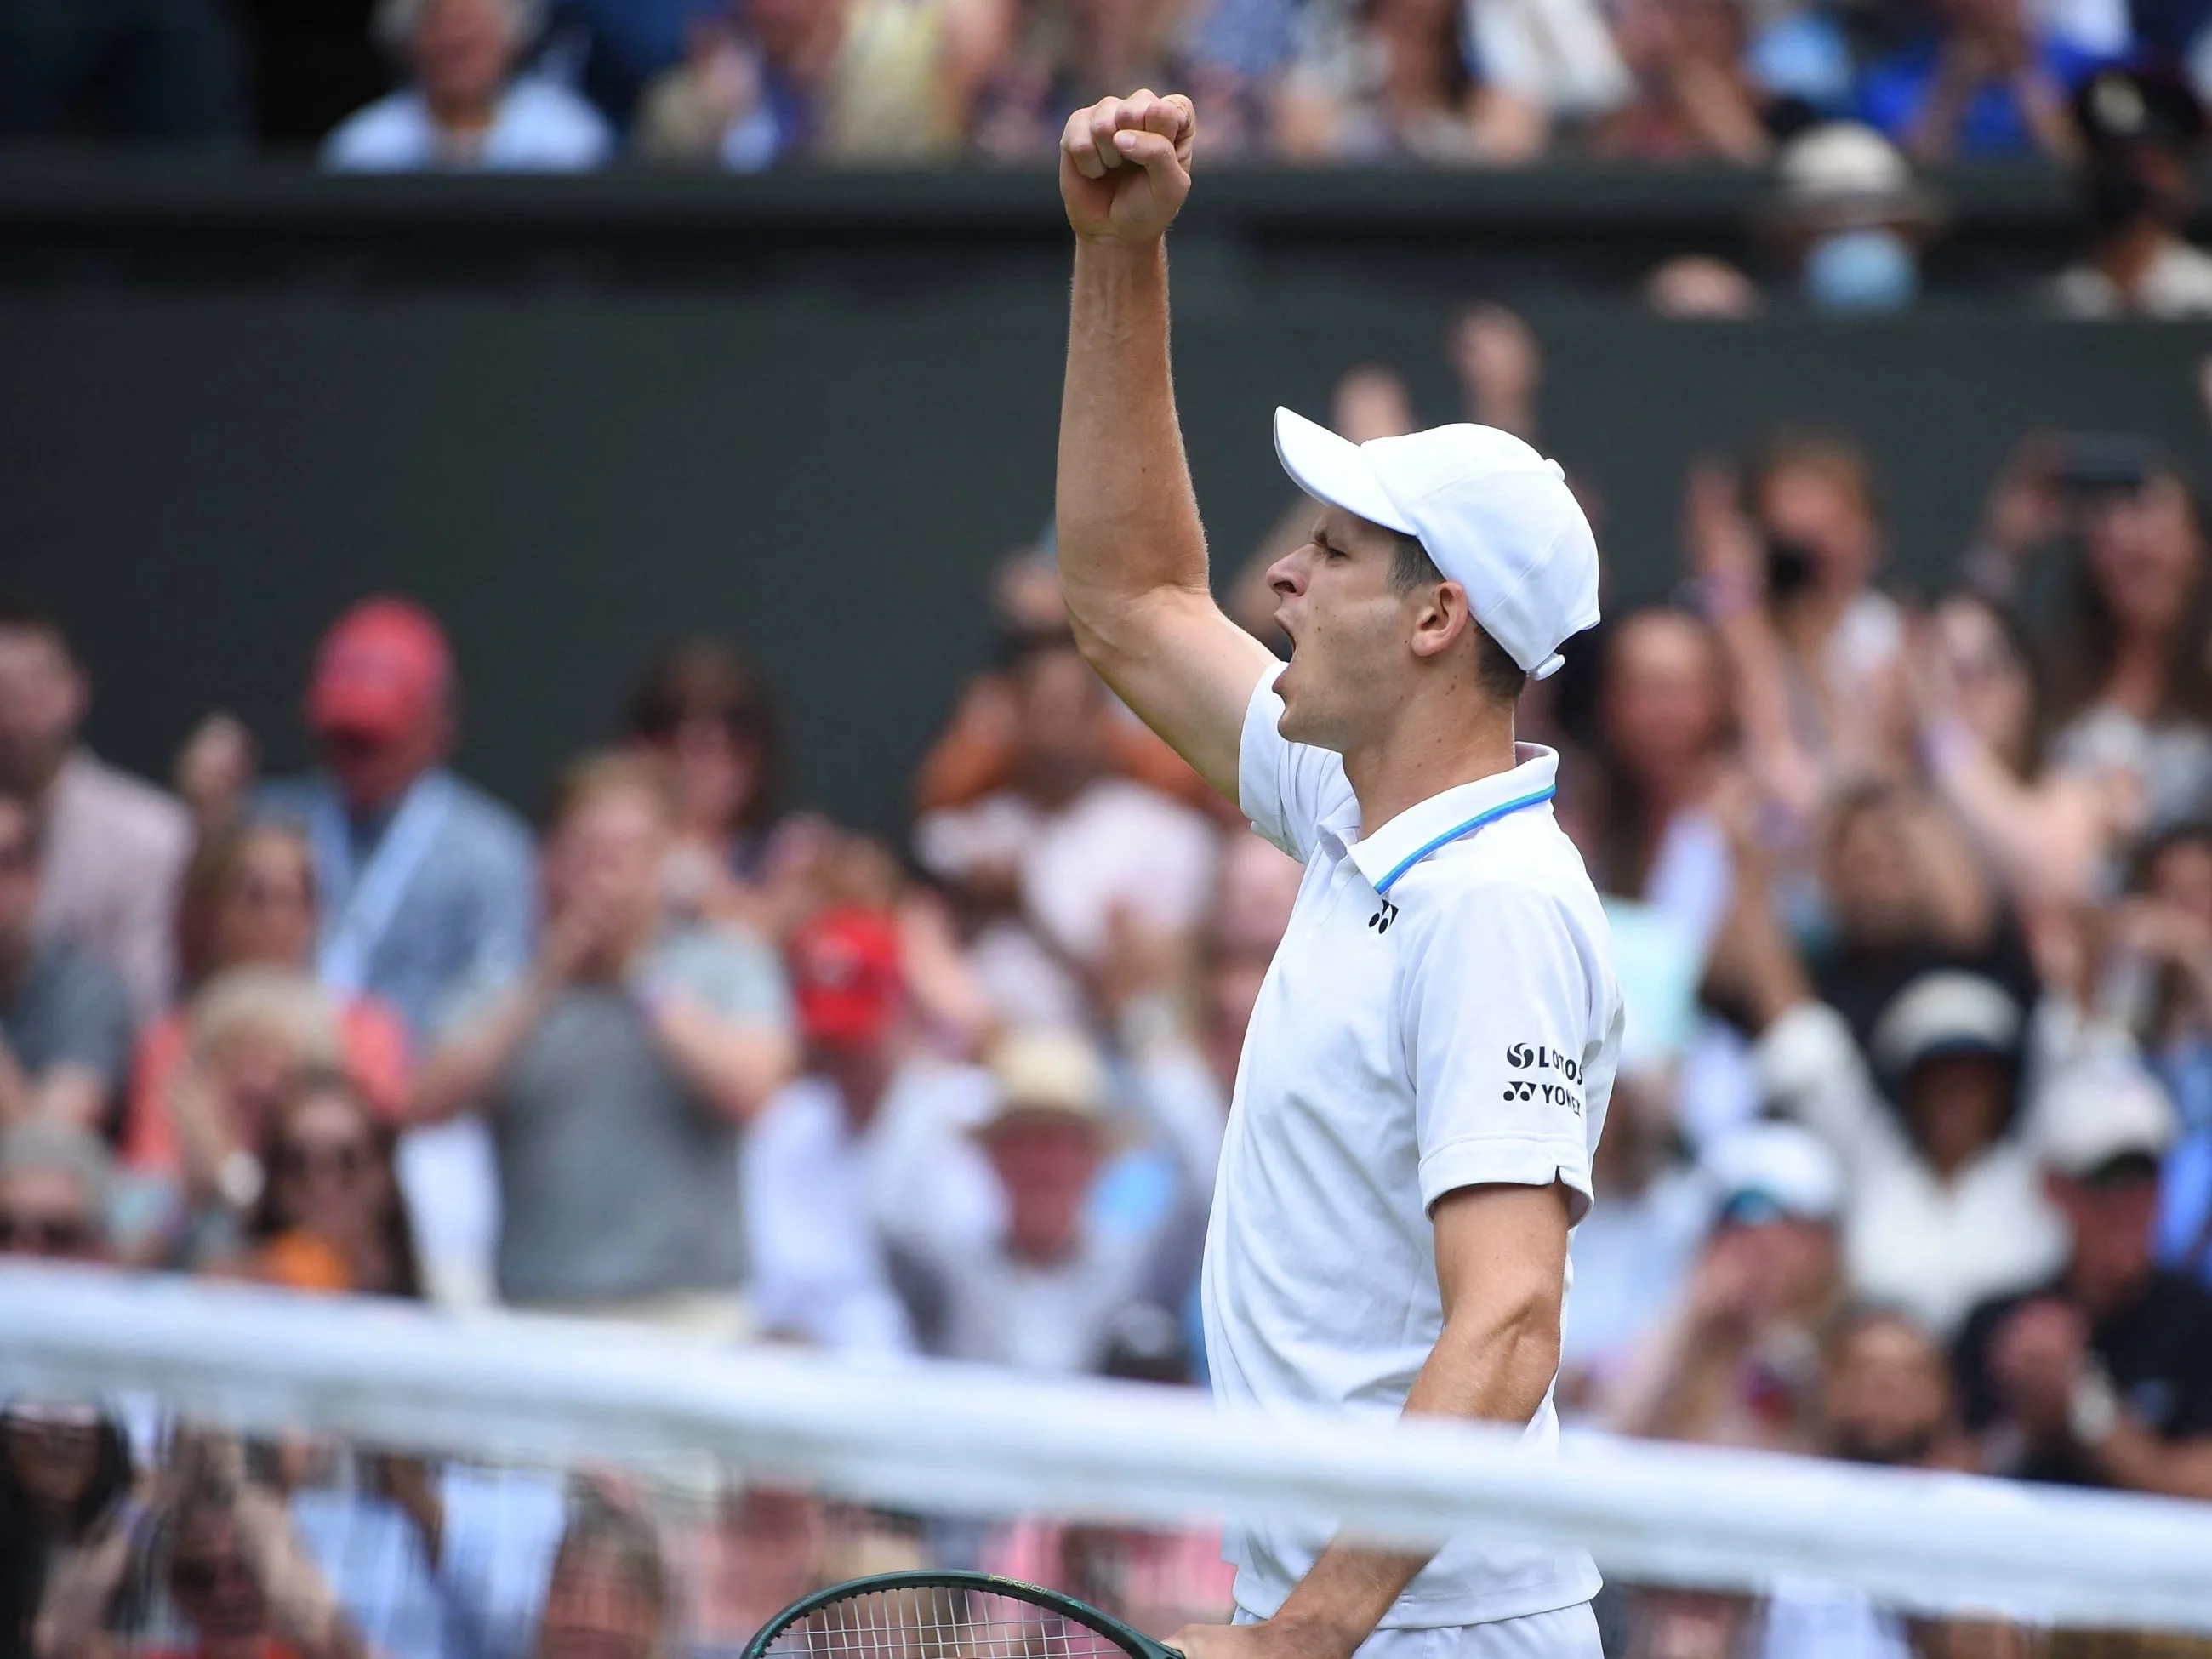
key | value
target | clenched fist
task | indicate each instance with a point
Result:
(1125, 166)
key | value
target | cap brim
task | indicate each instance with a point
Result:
(1331, 470)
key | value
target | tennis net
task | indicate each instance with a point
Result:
(417, 1472)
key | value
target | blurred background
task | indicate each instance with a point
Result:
(541, 762)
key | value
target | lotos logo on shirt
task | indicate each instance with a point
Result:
(1521, 1056)
(1538, 1058)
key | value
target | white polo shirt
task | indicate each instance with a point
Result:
(1441, 1013)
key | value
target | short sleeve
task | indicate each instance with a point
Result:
(734, 974)
(1286, 788)
(1499, 1032)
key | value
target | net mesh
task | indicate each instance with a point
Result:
(177, 1462)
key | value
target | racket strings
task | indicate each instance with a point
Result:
(938, 1621)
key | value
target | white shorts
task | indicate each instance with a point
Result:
(1562, 1633)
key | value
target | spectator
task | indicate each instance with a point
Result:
(1944, 1203)
(1850, 220)
(2131, 691)
(1039, 1292)
(1886, 1400)
(427, 1561)
(114, 846)
(54, 1192)
(467, 106)
(981, 749)
(64, 1020)
(249, 902)
(2141, 134)
(2103, 1376)
(705, 715)
(1886, 1393)
(608, 1595)
(220, 1545)
(1070, 54)
(762, 1549)
(1736, 1361)
(1377, 78)
(617, 1073)
(1786, 574)
(330, 1217)
(2047, 832)
(1693, 96)
(837, 81)
(859, 1149)
(61, 1465)
(2156, 983)
(424, 881)
(1902, 893)
(1043, 863)
(1988, 81)
(1664, 719)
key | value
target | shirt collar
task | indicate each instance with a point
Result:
(1422, 828)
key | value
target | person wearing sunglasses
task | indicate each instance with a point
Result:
(220, 1545)
(53, 1192)
(330, 1217)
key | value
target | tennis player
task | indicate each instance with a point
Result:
(1427, 1069)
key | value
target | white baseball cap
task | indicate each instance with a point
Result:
(2095, 1110)
(1774, 1169)
(1495, 516)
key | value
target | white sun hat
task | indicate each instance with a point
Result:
(1495, 516)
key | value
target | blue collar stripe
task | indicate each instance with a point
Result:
(1467, 828)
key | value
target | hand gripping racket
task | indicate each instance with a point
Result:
(946, 1615)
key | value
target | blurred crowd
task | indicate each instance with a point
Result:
(1910, 1161)
(570, 84)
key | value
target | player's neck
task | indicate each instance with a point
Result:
(1434, 745)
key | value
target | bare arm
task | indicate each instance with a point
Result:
(1501, 1265)
(734, 1064)
(1131, 552)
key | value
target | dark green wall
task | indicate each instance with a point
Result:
(821, 461)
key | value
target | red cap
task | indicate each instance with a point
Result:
(845, 975)
(382, 671)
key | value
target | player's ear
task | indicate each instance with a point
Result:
(1440, 619)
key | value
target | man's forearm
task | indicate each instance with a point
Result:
(1490, 1368)
(1128, 518)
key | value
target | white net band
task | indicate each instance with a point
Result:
(949, 1438)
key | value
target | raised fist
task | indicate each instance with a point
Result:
(1125, 166)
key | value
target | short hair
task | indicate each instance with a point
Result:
(1828, 455)
(392, 25)
(608, 771)
(1495, 670)
(26, 615)
(704, 679)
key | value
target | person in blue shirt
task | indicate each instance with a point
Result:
(1985, 84)
(427, 884)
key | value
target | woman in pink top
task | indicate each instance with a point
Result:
(253, 1017)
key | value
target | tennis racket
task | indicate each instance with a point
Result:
(946, 1615)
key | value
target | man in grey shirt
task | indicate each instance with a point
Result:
(617, 1073)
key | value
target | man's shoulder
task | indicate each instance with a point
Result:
(128, 808)
(67, 976)
(556, 124)
(394, 132)
(482, 826)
